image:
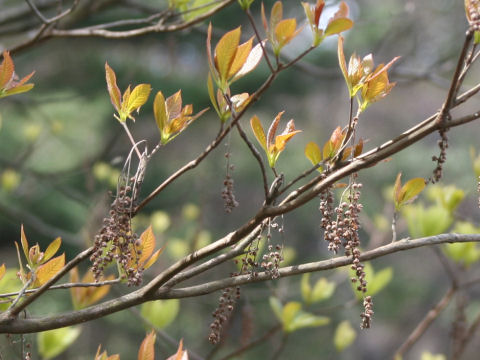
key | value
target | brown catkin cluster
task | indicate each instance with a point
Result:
(228, 196)
(222, 313)
(271, 260)
(116, 240)
(367, 312)
(474, 14)
(326, 209)
(350, 234)
(249, 263)
(441, 158)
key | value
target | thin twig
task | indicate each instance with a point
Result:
(254, 343)
(46, 21)
(29, 325)
(257, 156)
(425, 323)
(22, 292)
(65, 286)
(260, 41)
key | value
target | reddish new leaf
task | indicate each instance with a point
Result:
(240, 57)
(112, 87)
(180, 354)
(225, 52)
(48, 270)
(7, 69)
(147, 350)
(2, 271)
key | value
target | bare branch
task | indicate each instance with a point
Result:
(30, 325)
(425, 323)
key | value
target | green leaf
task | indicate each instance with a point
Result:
(304, 319)
(9, 283)
(313, 153)
(447, 196)
(289, 312)
(376, 281)
(412, 188)
(138, 97)
(160, 112)
(345, 335)
(53, 342)
(160, 313)
(337, 26)
(429, 356)
(322, 290)
(276, 306)
(424, 222)
(477, 37)
(258, 131)
(379, 281)
(52, 249)
(305, 288)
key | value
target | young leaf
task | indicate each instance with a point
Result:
(305, 288)
(3, 270)
(24, 242)
(147, 241)
(243, 51)
(289, 312)
(180, 354)
(83, 297)
(48, 270)
(259, 132)
(312, 152)
(52, 249)
(160, 111)
(285, 31)
(322, 290)
(412, 188)
(147, 350)
(345, 335)
(104, 355)
(112, 87)
(53, 342)
(337, 26)
(7, 69)
(138, 97)
(251, 62)
(276, 306)
(160, 313)
(339, 22)
(225, 52)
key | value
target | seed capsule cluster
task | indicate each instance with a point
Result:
(474, 14)
(441, 158)
(228, 195)
(116, 240)
(222, 313)
(272, 259)
(343, 231)
(367, 313)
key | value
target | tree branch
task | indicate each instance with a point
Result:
(30, 325)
